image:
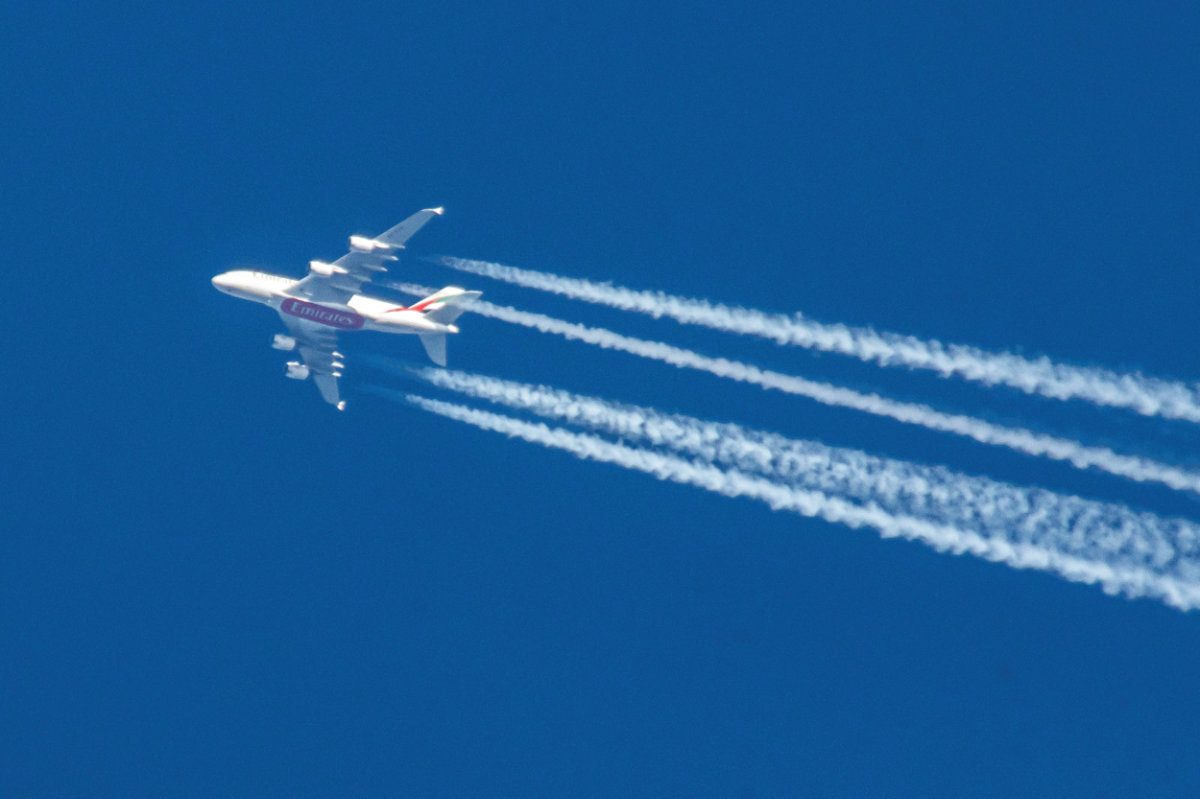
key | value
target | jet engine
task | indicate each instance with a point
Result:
(282, 342)
(364, 244)
(325, 270)
(297, 370)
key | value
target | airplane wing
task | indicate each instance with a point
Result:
(317, 345)
(341, 280)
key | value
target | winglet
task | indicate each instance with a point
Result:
(439, 210)
(341, 406)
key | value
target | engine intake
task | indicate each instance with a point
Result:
(285, 343)
(297, 370)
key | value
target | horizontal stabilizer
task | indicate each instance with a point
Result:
(435, 345)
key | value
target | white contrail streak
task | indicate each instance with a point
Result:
(1179, 588)
(1059, 521)
(1040, 376)
(1015, 438)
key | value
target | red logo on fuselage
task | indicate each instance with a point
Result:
(345, 320)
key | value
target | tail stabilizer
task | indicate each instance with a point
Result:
(435, 346)
(443, 306)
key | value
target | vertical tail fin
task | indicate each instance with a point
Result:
(442, 306)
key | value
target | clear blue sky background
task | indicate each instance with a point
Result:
(213, 585)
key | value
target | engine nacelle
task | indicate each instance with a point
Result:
(325, 270)
(297, 370)
(364, 244)
(285, 343)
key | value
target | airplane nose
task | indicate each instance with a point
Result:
(221, 282)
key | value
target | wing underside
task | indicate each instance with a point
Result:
(317, 345)
(328, 386)
(341, 280)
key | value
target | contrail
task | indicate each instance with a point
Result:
(1015, 438)
(1042, 377)
(1060, 521)
(1145, 577)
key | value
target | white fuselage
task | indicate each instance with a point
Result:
(359, 313)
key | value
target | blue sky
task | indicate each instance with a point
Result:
(212, 584)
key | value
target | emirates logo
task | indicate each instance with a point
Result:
(343, 320)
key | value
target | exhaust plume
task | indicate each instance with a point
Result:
(1159, 574)
(1018, 439)
(930, 492)
(1042, 377)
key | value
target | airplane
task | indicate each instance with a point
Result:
(327, 301)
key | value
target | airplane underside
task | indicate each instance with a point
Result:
(316, 308)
